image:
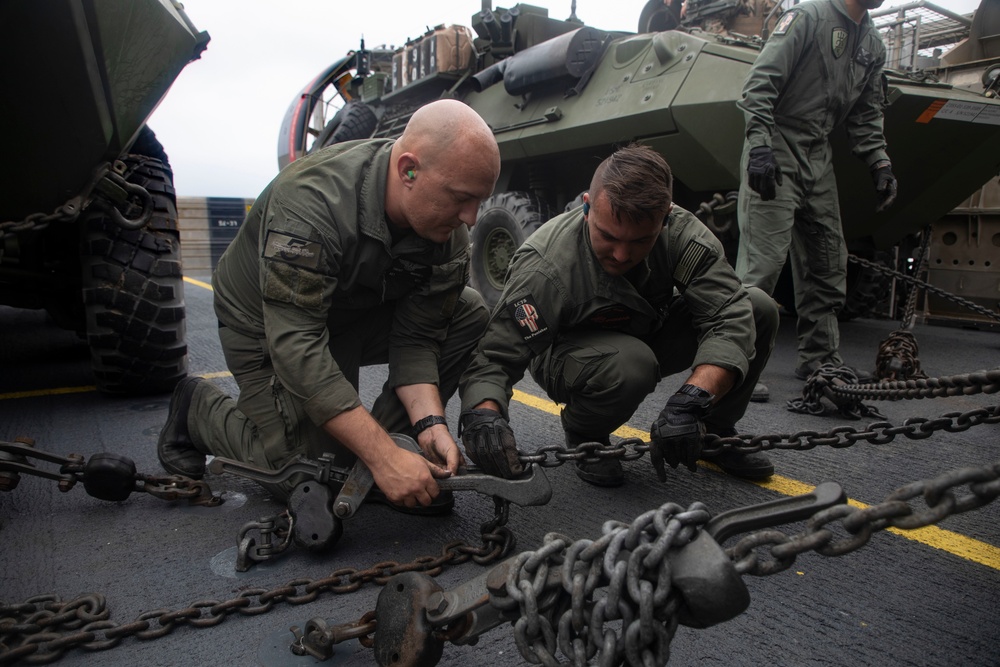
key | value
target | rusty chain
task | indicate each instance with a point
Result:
(898, 357)
(73, 469)
(249, 551)
(42, 628)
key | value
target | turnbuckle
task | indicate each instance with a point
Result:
(332, 494)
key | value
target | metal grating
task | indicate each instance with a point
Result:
(933, 29)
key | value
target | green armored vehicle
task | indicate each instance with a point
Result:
(87, 208)
(560, 95)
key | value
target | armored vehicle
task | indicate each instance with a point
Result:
(561, 95)
(87, 208)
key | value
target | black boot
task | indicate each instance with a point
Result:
(747, 466)
(177, 452)
(605, 472)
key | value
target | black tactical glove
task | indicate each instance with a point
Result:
(489, 442)
(763, 172)
(678, 434)
(885, 184)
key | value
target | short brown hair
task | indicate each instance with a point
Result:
(637, 182)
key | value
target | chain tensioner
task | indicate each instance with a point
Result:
(105, 476)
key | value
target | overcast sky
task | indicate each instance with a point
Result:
(219, 123)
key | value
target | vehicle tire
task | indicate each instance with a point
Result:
(355, 121)
(133, 291)
(866, 288)
(504, 222)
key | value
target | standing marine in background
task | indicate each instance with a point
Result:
(821, 68)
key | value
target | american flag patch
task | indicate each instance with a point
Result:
(525, 313)
(691, 259)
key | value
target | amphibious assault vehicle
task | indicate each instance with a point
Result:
(88, 217)
(561, 95)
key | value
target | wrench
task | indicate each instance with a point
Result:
(531, 489)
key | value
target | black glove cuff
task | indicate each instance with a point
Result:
(689, 399)
(881, 164)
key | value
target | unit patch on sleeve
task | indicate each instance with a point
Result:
(525, 313)
(291, 250)
(692, 257)
(785, 22)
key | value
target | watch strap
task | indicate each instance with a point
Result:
(425, 423)
(692, 390)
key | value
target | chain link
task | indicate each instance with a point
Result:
(923, 255)
(897, 357)
(68, 212)
(879, 433)
(629, 564)
(73, 470)
(838, 386)
(910, 280)
(770, 551)
(42, 628)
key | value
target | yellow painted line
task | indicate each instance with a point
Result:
(938, 538)
(47, 392)
(82, 390)
(198, 283)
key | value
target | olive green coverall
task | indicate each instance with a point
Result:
(818, 70)
(316, 284)
(601, 343)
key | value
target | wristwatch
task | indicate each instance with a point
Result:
(425, 423)
(697, 392)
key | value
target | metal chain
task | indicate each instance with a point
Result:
(839, 386)
(73, 470)
(29, 631)
(923, 255)
(940, 497)
(629, 564)
(820, 386)
(68, 212)
(879, 433)
(957, 300)
(42, 628)
(249, 551)
(897, 357)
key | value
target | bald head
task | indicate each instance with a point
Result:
(445, 126)
(445, 163)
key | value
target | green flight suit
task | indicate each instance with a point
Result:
(316, 284)
(817, 71)
(601, 343)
